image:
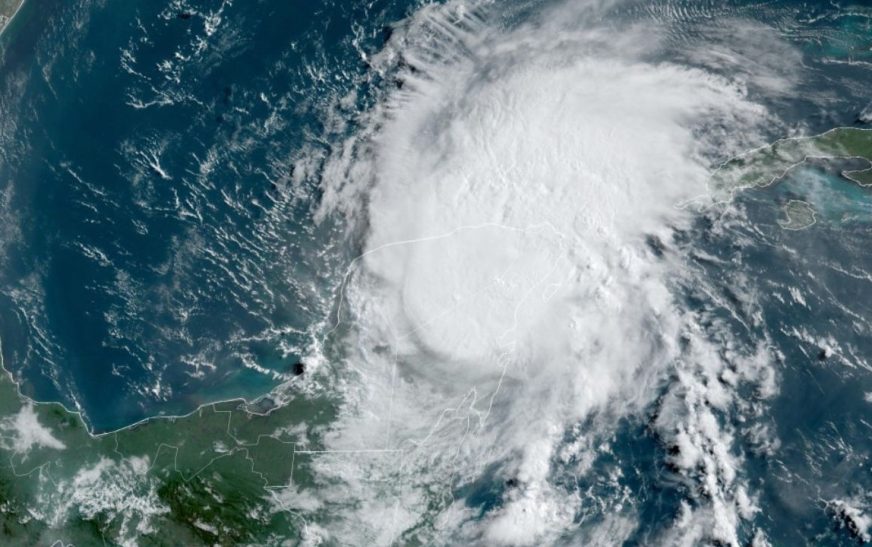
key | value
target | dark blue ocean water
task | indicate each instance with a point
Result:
(158, 180)
(158, 229)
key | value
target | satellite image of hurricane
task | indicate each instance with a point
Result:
(435, 272)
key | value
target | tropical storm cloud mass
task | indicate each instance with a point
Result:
(436, 273)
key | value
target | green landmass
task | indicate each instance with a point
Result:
(798, 215)
(235, 473)
(223, 475)
(767, 165)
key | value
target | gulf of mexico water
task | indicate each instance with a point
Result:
(161, 167)
(157, 167)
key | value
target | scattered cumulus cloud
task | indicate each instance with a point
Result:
(23, 431)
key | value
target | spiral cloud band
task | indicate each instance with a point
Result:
(517, 295)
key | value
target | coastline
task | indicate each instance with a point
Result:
(6, 17)
(249, 405)
(245, 405)
(48, 450)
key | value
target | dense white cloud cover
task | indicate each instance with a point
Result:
(507, 293)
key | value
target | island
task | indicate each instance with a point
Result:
(768, 164)
(237, 472)
(798, 215)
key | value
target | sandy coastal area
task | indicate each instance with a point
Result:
(8, 8)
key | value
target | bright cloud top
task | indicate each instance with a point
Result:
(507, 291)
(22, 432)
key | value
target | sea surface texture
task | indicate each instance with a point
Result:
(461, 272)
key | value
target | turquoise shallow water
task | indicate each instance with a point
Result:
(160, 251)
(159, 179)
